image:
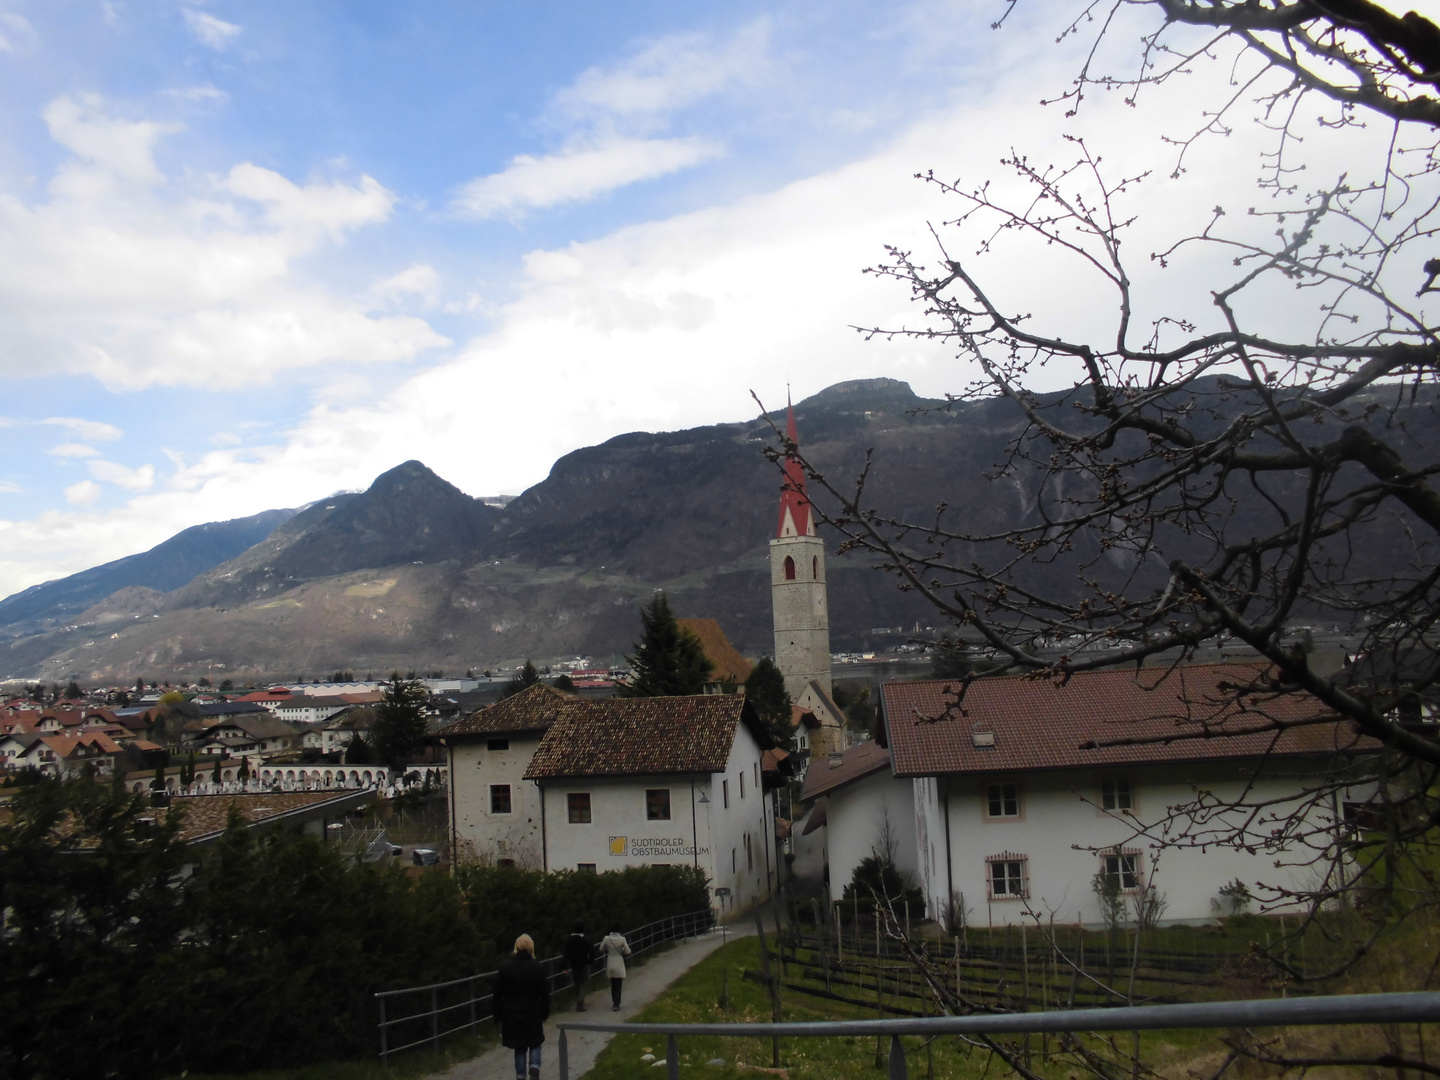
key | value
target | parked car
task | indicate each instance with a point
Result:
(395, 850)
(424, 856)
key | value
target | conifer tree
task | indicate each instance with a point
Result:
(525, 678)
(668, 660)
(399, 729)
(765, 689)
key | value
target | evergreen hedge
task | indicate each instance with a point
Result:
(126, 953)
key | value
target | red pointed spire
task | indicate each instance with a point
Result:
(794, 506)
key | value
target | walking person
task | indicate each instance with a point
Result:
(579, 955)
(615, 948)
(522, 1002)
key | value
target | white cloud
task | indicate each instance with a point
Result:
(335, 207)
(669, 74)
(578, 173)
(73, 450)
(419, 280)
(191, 283)
(9, 487)
(141, 479)
(82, 494)
(611, 119)
(216, 33)
(93, 430)
(120, 148)
(197, 93)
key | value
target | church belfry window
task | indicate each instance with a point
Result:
(789, 568)
(815, 567)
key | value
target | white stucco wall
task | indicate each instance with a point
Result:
(1061, 824)
(515, 835)
(852, 826)
(619, 833)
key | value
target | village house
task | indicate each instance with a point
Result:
(863, 809)
(1017, 810)
(551, 781)
(494, 814)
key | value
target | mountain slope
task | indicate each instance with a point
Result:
(413, 574)
(408, 515)
(165, 567)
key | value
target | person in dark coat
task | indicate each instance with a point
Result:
(579, 955)
(522, 1002)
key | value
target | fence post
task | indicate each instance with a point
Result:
(564, 1057)
(384, 1048)
(472, 1005)
(897, 1059)
(672, 1058)
(435, 1017)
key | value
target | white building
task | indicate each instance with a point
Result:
(494, 812)
(865, 810)
(661, 781)
(1017, 808)
(556, 782)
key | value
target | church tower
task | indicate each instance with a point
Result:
(797, 586)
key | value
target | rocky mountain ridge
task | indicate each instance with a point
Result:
(415, 574)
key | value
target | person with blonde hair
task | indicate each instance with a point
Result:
(522, 1004)
(615, 948)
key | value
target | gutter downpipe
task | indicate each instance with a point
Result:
(544, 837)
(454, 827)
(694, 827)
(949, 858)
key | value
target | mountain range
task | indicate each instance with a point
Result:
(414, 574)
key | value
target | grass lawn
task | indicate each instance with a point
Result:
(695, 999)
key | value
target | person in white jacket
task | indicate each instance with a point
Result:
(615, 948)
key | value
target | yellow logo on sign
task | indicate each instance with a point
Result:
(617, 845)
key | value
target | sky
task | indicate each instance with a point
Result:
(256, 252)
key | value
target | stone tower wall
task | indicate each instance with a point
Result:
(801, 611)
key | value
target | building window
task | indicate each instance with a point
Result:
(1002, 799)
(749, 854)
(789, 568)
(1115, 795)
(757, 772)
(500, 798)
(657, 804)
(579, 807)
(1121, 870)
(585, 867)
(815, 567)
(497, 744)
(742, 785)
(725, 792)
(732, 860)
(1009, 876)
(505, 864)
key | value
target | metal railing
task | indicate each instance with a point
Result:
(460, 1004)
(1342, 1009)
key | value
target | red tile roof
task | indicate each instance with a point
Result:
(724, 659)
(857, 763)
(1039, 724)
(644, 736)
(533, 709)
